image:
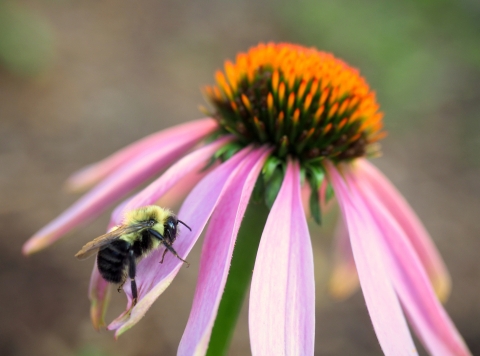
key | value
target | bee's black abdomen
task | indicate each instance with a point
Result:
(113, 260)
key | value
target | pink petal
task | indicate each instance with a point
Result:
(114, 187)
(153, 278)
(99, 295)
(368, 250)
(344, 280)
(177, 194)
(408, 220)
(187, 166)
(217, 254)
(94, 173)
(282, 296)
(411, 282)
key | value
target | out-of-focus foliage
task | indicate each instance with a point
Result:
(411, 52)
(90, 351)
(395, 43)
(26, 40)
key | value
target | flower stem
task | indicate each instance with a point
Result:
(239, 278)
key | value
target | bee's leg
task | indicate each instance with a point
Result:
(163, 256)
(131, 274)
(170, 248)
(167, 246)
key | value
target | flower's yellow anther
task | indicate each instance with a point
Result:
(231, 75)
(318, 113)
(307, 102)
(246, 102)
(275, 81)
(270, 102)
(291, 101)
(281, 93)
(296, 116)
(342, 123)
(324, 96)
(333, 110)
(301, 90)
(222, 82)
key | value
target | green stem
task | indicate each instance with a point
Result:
(239, 278)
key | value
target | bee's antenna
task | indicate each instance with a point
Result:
(181, 222)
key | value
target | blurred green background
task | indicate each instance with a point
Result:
(79, 80)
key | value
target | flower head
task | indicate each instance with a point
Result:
(284, 116)
(306, 103)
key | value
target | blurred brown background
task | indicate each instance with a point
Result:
(81, 79)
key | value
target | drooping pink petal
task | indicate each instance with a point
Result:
(99, 295)
(414, 229)
(282, 296)
(344, 279)
(89, 176)
(410, 280)
(187, 166)
(111, 189)
(177, 194)
(153, 278)
(216, 256)
(368, 250)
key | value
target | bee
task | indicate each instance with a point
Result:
(142, 231)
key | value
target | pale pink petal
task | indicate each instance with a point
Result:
(111, 189)
(216, 256)
(153, 278)
(94, 173)
(344, 279)
(187, 166)
(99, 295)
(177, 194)
(368, 250)
(282, 296)
(408, 220)
(411, 282)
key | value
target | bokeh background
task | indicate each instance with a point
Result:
(81, 79)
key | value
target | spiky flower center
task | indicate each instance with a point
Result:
(305, 103)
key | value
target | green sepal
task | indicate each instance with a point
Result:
(315, 209)
(283, 146)
(223, 153)
(272, 187)
(259, 190)
(270, 166)
(315, 174)
(315, 177)
(226, 152)
(329, 193)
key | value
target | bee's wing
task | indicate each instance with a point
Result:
(93, 246)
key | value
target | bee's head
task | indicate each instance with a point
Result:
(170, 228)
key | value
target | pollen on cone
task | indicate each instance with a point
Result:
(306, 88)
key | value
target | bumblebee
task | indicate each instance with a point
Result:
(118, 251)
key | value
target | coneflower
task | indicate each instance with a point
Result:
(285, 118)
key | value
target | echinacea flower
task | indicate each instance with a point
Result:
(285, 116)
